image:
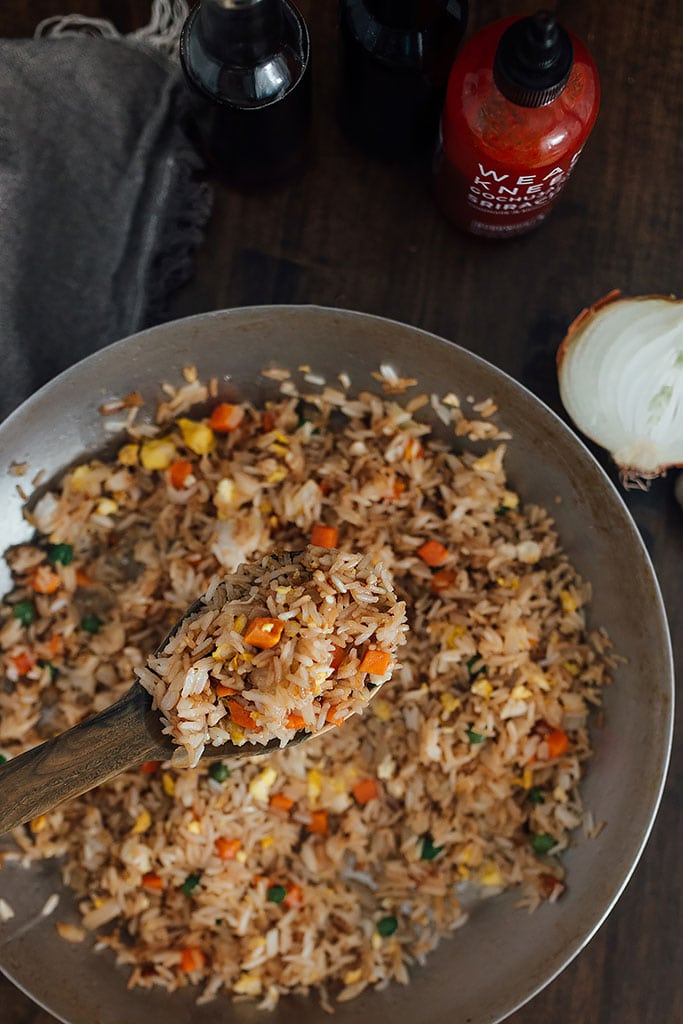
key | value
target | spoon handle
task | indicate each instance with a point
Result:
(120, 737)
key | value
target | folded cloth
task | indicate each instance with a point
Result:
(100, 202)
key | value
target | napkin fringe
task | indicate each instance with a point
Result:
(162, 31)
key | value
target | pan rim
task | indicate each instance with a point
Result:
(579, 942)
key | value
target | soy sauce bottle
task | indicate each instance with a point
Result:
(396, 56)
(249, 65)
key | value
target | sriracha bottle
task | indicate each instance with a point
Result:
(522, 99)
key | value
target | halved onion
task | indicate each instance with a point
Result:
(620, 369)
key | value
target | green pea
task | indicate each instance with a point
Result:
(429, 850)
(62, 553)
(542, 842)
(91, 623)
(190, 884)
(276, 893)
(25, 611)
(471, 662)
(219, 771)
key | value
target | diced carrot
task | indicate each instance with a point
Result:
(294, 897)
(365, 791)
(152, 881)
(267, 421)
(44, 581)
(226, 417)
(398, 488)
(324, 536)
(295, 721)
(178, 473)
(82, 578)
(191, 959)
(338, 655)
(413, 449)
(55, 645)
(318, 823)
(264, 632)
(227, 848)
(241, 716)
(224, 691)
(281, 802)
(433, 553)
(257, 879)
(324, 487)
(549, 884)
(442, 580)
(23, 662)
(375, 662)
(149, 767)
(558, 743)
(331, 717)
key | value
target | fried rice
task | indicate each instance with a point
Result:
(336, 864)
(291, 645)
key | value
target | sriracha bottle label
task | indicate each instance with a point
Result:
(500, 200)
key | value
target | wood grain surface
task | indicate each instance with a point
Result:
(358, 233)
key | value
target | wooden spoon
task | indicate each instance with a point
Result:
(115, 740)
(121, 737)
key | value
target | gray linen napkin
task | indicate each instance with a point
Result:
(100, 206)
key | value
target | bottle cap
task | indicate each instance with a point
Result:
(533, 60)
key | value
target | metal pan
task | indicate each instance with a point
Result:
(503, 956)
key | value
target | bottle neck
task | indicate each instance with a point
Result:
(533, 60)
(410, 15)
(240, 32)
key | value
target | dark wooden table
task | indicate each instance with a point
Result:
(356, 233)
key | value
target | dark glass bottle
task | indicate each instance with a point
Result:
(396, 57)
(249, 62)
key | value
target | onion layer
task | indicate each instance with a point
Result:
(620, 370)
